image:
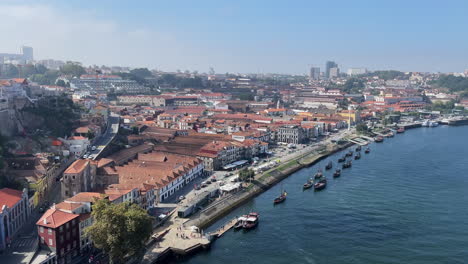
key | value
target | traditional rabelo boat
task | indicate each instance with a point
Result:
(342, 159)
(337, 173)
(320, 185)
(308, 184)
(318, 175)
(329, 166)
(367, 151)
(280, 198)
(348, 164)
(357, 156)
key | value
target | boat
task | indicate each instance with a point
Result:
(251, 221)
(367, 151)
(358, 149)
(337, 173)
(280, 198)
(358, 156)
(389, 134)
(349, 154)
(378, 139)
(425, 123)
(342, 159)
(240, 222)
(329, 165)
(308, 184)
(433, 124)
(348, 164)
(400, 130)
(318, 175)
(320, 185)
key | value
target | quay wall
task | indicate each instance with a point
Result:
(207, 217)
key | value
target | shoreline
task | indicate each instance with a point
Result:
(211, 214)
(208, 216)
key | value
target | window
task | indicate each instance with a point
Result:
(61, 228)
(41, 229)
(51, 242)
(49, 231)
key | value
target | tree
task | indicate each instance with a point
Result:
(361, 128)
(119, 229)
(72, 69)
(246, 174)
(141, 73)
(61, 83)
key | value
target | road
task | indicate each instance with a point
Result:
(105, 139)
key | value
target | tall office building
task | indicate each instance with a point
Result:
(314, 73)
(328, 66)
(27, 53)
(334, 73)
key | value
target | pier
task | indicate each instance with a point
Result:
(228, 226)
(176, 239)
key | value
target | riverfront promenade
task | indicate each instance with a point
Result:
(177, 237)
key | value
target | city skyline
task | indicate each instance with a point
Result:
(231, 38)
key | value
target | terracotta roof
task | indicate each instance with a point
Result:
(86, 197)
(77, 167)
(67, 206)
(54, 218)
(9, 197)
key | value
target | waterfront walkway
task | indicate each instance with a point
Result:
(177, 237)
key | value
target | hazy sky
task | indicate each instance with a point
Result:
(242, 35)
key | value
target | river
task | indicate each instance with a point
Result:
(405, 202)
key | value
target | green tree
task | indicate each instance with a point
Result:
(246, 174)
(72, 69)
(141, 73)
(361, 128)
(119, 229)
(61, 83)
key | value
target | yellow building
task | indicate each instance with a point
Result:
(354, 114)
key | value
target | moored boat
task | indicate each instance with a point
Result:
(342, 159)
(280, 198)
(337, 173)
(357, 156)
(400, 130)
(329, 165)
(318, 175)
(358, 149)
(240, 222)
(320, 185)
(348, 164)
(367, 151)
(308, 184)
(349, 154)
(378, 139)
(251, 221)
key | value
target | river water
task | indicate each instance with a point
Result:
(405, 202)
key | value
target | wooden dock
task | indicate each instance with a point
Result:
(224, 228)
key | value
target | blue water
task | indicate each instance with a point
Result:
(405, 202)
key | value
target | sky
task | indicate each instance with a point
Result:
(242, 36)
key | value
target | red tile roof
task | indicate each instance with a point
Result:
(9, 197)
(54, 218)
(77, 167)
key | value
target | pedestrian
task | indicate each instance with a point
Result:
(177, 235)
